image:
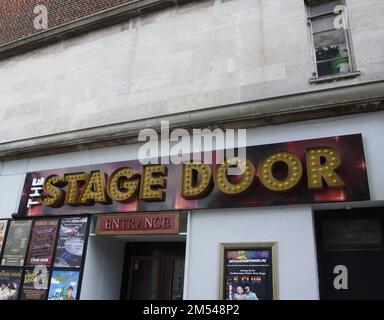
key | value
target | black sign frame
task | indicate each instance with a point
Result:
(265, 254)
(51, 268)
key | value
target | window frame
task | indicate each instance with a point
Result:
(348, 41)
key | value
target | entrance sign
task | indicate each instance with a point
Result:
(248, 271)
(164, 223)
(311, 171)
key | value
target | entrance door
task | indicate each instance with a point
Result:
(154, 271)
(350, 254)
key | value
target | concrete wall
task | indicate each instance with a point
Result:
(291, 228)
(204, 54)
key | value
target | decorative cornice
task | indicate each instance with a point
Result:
(347, 100)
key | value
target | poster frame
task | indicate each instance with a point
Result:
(85, 250)
(79, 281)
(247, 246)
(85, 245)
(27, 245)
(28, 266)
(51, 268)
(10, 268)
(25, 270)
(5, 238)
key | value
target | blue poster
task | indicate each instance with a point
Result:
(64, 285)
(70, 245)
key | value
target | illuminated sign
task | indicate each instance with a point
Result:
(311, 171)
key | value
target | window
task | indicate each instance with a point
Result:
(328, 22)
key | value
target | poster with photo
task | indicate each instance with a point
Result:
(64, 285)
(10, 280)
(248, 274)
(70, 245)
(35, 285)
(17, 243)
(42, 243)
(3, 229)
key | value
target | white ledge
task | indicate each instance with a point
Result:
(335, 77)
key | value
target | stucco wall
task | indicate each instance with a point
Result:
(291, 228)
(185, 58)
(103, 269)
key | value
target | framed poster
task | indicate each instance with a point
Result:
(3, 229)
(17, 243)
(64, 285)
(35, 285)
(10, 280)
(42, 243)
(248, 271)
(70, 245)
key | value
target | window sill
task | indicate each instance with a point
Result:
(335, 77)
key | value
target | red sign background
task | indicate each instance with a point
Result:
(138, 223)
(42, 243)
(352, 170)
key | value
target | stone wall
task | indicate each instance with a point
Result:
(181, 59)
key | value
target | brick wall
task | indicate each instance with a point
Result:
(17, 16)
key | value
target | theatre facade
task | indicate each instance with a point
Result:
(295, 214)
(302, 220)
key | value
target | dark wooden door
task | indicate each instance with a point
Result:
(154, 271)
